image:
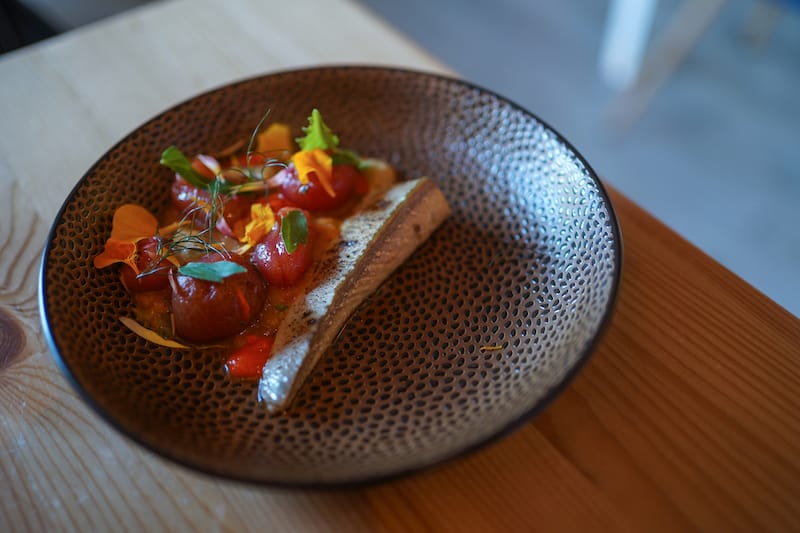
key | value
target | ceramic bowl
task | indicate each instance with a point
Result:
(468, 339)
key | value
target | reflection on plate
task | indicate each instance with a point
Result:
(469, 338)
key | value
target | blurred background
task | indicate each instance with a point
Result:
(689, 107)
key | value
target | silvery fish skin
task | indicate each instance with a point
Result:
(382, 234)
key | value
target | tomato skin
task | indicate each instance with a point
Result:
(235, 215)
(184, 195)
(312, 196)
(206, 311)
(256, 160)
(361, 186)
(248, 361)
(146, 252)
(278, 266)
(276, 201)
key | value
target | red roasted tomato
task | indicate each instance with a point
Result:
(276, 264)
(185, 196)
(248, 360)
(207, 311)
(235, 215)
(146, 252)
(312, 196)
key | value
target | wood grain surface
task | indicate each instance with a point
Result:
(686, 418)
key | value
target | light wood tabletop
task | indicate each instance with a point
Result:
(686, 418)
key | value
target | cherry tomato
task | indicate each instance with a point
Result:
(207, 311)
(276, 201)
(235, 215)
(242, 160)
(276, 264)
(312, 196)
(362, 184)
(248, 361)
(184, 195)
(146, 254)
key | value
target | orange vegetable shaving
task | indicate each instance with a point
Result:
(315, 161)
(276, 138)
(131, 224)
(148, 334)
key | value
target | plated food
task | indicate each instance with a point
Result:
(267, 250)
(473, 334)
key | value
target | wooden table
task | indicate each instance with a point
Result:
(686, 418)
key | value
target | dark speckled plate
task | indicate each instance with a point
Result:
(472, 336)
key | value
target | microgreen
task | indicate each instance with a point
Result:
(317, 134)
(254, 136)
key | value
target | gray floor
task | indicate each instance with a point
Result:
(715, 154)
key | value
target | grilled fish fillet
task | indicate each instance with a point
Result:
(373, 242)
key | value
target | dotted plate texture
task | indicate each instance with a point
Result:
(468, 339)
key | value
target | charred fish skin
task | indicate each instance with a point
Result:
(372, 244)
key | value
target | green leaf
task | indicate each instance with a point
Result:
(346, 157)
(318, 134)
(294, 229)
(177, 162)
(211, 271)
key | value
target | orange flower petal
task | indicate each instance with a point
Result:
(117, 251)
(276, 138)
(318, 162)
(262, 219)
(133, 223)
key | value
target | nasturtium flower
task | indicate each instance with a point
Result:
(262, 220)
(117, 251)
(315, 161)
(131, 224)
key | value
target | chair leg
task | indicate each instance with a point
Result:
(670, 48)
(625, 38)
